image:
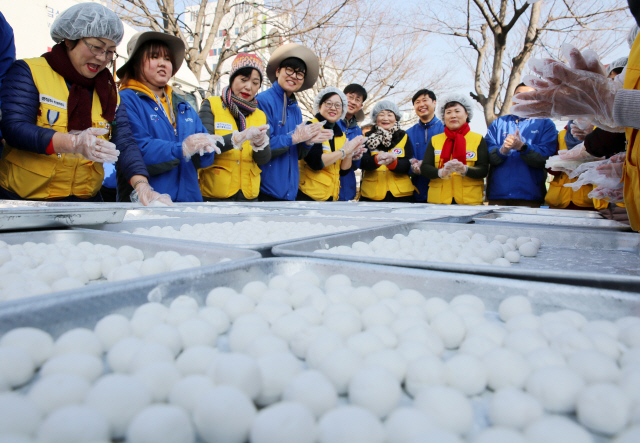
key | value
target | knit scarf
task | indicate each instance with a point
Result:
(381, 137)
(238, 107)
(455, 144)
(80, 93)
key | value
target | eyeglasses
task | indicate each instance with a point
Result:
(299, 75)
(337, 106)
(98, 52)
(355, 98)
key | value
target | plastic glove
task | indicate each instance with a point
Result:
(352, 145)
(321, 137)
(257, 136)
(580, 133)
(415, 165)
(456, 166)
(513, 141)
(586, 60)
(614, 167)
(145, 194)
(444, 173)
(566, 93)
(238, 138)
(385, 158)
(91, 147)
(603, 173)
(201, 144)
(611, 195)
(358, 153)
(304, 132)
(578, 153)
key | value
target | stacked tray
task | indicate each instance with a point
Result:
(605, 259)
(263, 248)
(552, 221)
(554, 212)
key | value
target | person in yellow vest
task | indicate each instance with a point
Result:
(58, 113)
(323, 165)
(456, 161)
(235, 173)
(387, 162)
(563, 197)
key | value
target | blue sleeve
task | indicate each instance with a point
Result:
(20, 105)
(569, 139)
(548, 144)
(130, 161)
(276, 141)
(154, 150)
(7, 49)
(493, 139)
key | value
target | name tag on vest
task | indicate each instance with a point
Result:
(326, 148)
(52, 101)
(471, 155)
(224, 126)
(437, 152)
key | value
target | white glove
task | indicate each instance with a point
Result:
(385, 158)
(456, 166)
(415, 165)
(304, 132)
(91, 147)
(201, 144)
(258, 137)
(352, 145)
(145, 194)
(444, 173)
(578, 153)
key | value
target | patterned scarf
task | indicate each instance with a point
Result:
(455, 146)
(379, 136)
(80, 96)
(238, 107)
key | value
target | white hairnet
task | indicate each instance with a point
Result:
(633, 33)
(330, 90)
(87, 20)
(385, 105)
(619, 63)
(463, 99)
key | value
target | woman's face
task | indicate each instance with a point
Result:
(83, 55)
(246, 87)
(386, 120)
(331, 108)
(455, 117)
(157, 68)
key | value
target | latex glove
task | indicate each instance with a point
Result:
(352, 145)
(579, 152)
(322, 136)
(513, 141)
(257, 136)
(145, 194)
(566, 93)
(201, 144)
(91, 147)
(415, 165)
(304, 132)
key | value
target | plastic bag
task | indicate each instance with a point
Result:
(603, 173)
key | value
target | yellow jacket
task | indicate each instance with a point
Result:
(376, 183)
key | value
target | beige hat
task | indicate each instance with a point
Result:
(176, 48)
(360, 116)
(303, 53)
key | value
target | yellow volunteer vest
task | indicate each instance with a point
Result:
(325, 183)
(465, 190)
(42, 176)
(559, 197)
(632, 163)
(376, 183)
(235, 169)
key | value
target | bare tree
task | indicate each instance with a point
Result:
(496, 38)
(286, 19)
(367, 44)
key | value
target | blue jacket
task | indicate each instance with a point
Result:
(280, 177)
(420, 134)
(520, 175)
(161, 148)
(7, 49)
(20, 106)
(348, 182)
(569, 139)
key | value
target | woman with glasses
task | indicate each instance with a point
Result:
(322, 167)
(58, 112)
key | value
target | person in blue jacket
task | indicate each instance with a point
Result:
(166, 127)
(518, 151)
(424, 103)
(356, 96)
(54, 151)
(292, 68)
(7, 52)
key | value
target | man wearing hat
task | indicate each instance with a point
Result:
(292, 68)
(356, 96)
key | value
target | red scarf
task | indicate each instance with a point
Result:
(80, 94)
(455, 144)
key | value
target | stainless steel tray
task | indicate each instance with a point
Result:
(263, 248)
(400, 217)
(535, 220)
(24, 218)
(335, 206)
(554, 212)
(609, 260)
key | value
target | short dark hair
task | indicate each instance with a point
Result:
(521, 85)
(243, 72)
(146, 51)
(355, 88)
(452, 104)
(294, 63)
(426, 92)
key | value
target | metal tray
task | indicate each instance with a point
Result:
(334, 206)
(609, 260)
(536, 220)
(23, 218)
(554, 212)
(404, 217)
(262, 248)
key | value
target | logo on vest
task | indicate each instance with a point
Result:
(52, 101)
(189, 119)
(397, 151)
(224, 126)
(154, 117)
(52, 117)
(471, 155)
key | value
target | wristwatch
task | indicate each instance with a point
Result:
(344, 154)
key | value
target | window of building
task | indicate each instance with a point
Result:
(237, 31)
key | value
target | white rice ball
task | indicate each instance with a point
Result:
(238, 370)
(186, 392)
(404, 424)
(37, 343)
(74, 424)
(556, 429)
(78, 340)
(314, 390)
(86, 366)
(277, 370)
(284, 422)
(505, 368)
(514, 305)
(16, 366)
(466, 373)
(111, 329)
(556, 387)
(161, 424)
(159, 378)
(19, 414)
(349, 424)
(58, 390)
(512, 408)
(224, 414)
(448, 407)
(375, 389)
(603, 408)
